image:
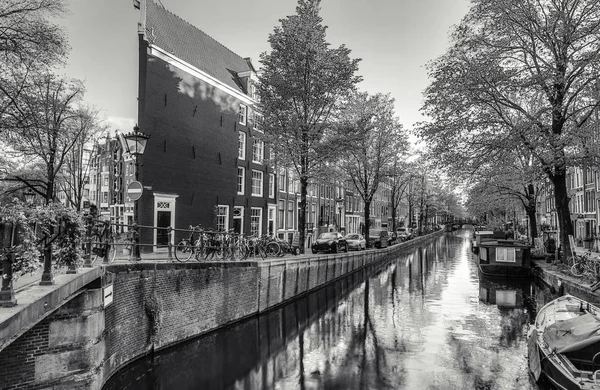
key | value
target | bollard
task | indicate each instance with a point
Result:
(88, 242)
(135, 249)
(7, 293)
(170, 244)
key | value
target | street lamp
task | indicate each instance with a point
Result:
(135, 143)
(29, 195)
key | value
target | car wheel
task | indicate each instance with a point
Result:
(314, 251)
(346, 249)
(334, 248)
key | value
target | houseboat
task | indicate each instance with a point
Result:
(564, 344)
(505, 293)
(480, 236)
(504, 258)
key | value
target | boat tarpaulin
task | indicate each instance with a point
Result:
(573, 334)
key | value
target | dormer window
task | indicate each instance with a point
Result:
(243, 114)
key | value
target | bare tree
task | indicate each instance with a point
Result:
(87, 128)
(44, 129)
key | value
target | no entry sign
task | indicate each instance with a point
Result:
(134, 190)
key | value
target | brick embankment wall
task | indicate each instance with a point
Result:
(157, 305)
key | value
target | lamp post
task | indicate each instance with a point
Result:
(136, 145)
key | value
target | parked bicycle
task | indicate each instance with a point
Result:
(584, 264)
(103, 242)
(188, 247)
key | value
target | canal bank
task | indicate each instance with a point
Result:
(560, 281)
(146, 307)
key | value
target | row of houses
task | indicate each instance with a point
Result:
(583, 186)
(205, 163)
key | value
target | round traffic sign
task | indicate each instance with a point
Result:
(134, 190)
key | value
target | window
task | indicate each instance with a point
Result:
(257, 183)
(257, 151)
(271, 221)
(290, 215)
(242, 115)
(222, 218)
(241, 179)
(505, 255)
(280, 213)
(281, 181)
(242, 146)
(483, 254)
(271, 185)
(238, 219)
(258, 120)
(255, 221)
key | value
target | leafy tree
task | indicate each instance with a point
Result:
(301, 83)
(371, 139)
(399, 181)
(29, 43)
(43, 129)
(518, 73)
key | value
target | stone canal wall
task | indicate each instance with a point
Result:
(157, 305)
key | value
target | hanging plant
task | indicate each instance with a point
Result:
(16, 215)
(36, 224)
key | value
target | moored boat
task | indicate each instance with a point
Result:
(504, 258)
(564, 344)
(480, 236)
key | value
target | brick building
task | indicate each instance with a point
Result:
(203, 163)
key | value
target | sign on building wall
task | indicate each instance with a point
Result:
(108, 295)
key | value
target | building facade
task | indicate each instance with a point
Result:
(204, 162)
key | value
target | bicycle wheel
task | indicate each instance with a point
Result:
(183, 251)
(95, 248)
(111, 249)
(578, 268)
(273, 249)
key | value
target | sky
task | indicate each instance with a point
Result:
(394, 38)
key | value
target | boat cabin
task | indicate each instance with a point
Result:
(504, 258)
(480, 236)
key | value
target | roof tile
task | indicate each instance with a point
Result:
(178, 37)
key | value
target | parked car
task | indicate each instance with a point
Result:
(330, 242)
(404, 233)
(356, 241)
(378, 238)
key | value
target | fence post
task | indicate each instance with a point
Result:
(88, 242)
(7, 294)
(170, 245)
(47, 277)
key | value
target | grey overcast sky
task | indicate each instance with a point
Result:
(394, 38)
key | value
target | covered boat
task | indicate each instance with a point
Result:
(564, 344)
(504, 258)
(480, 236)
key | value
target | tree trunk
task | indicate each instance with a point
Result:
(532, 221)
(561, 198)
(367, 222)
(302, 214)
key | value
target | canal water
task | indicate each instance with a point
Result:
(424, 321)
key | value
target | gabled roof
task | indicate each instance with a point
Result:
(188, 43)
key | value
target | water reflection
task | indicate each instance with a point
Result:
(425, 321)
